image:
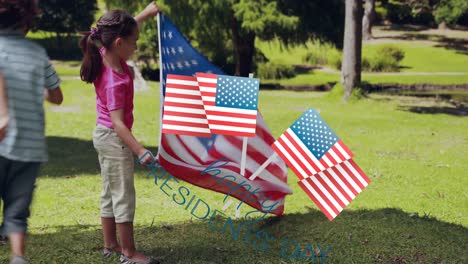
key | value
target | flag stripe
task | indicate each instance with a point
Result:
(318, 200)
(335, 173)
(339, 204)
(295, 158)
(303, 153)
(181, 107)
(336, 189)
(326, 196)
(333, 189)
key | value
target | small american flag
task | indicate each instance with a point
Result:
(333, 189)
(230, 103)
(184, 113)
(310, 146)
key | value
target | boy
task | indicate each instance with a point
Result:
(26, 72)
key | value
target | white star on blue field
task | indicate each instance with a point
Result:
(314, 133)
(237, 92)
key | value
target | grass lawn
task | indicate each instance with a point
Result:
(414, 210)
(425, 57)
(319, 77)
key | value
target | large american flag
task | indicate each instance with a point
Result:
(184, 113)
(310, 146)
(333, 189)
(230, 103)
(185, 157)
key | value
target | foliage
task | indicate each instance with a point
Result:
(66, 16)
(209, 24)
(425, 12)
(320, 52)
(271, 70)
(449, 11)
(392, 51)
(148, 41)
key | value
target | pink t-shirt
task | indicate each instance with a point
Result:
(114, 90)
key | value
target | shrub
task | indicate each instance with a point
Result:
(324, 54)
(391, 51)
(272, 70)
(335, 60)
(383, 64)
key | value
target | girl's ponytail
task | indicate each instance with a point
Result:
(110, 26)
(92, 62)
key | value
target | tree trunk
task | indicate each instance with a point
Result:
(443, 26)
(244, 47)
(368, 19)
(352, 45)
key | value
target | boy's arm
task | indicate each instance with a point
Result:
(150, 11)
(52, 91)
(4, 118)
(54, 96)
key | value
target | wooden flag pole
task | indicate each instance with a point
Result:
(264, 165)
(244, 148)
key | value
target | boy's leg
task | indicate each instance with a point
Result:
(17, 181)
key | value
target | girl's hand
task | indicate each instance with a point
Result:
(145, 157)
(151, 10)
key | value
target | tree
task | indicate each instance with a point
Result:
(66, 16)
(351, 68)
(449, 11)
(368, 19)
(445, 12)
(225, 31)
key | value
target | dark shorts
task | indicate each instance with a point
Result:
(17, 181)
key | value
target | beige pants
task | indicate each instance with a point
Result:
(116, 161)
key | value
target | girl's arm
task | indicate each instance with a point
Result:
(117, 117)
(150, 11)
(4, 118)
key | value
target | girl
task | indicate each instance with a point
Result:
(106, 48)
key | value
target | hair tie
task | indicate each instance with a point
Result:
(94, 33)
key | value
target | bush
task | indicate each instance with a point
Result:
(324, 54)
(271, 70)
(391, 51)
(387, 58)
(383, 64)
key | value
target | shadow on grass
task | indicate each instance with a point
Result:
(457, 44)
(363, 236)
(460, 111)
(72, 157)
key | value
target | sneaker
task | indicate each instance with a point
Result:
(18, 260)
(108, 252)
(126, 260)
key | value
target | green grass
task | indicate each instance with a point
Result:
(319, 78)
(414, 210)
(424, 57)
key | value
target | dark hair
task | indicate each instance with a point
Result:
(110, 26)
(17, 13)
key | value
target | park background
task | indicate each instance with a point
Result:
(405, 122)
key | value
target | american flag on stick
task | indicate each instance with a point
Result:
(230, 103)
(333, 189)
(310, 146)
(184, 113)
(187, 157)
